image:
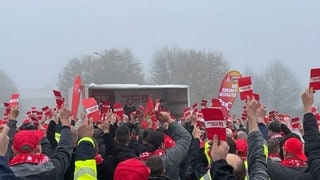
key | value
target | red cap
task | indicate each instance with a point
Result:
(132, 169)
(294, 146)
(168, 142)
(29, 138)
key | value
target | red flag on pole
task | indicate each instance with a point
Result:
(149, 113)
(149, 110)
(76, 96)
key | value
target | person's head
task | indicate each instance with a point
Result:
(27, 125)
(273, 146)
(156, 164)
(293, 147)
(229, 132)
(131, 169)
(155, 140)
(129, 102)
(242, 135)
(273, 129)
(238, 165)
(123, 135)
(145, 134)
(27, 141)
(232, 145)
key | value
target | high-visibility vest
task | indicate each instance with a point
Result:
(85, 169)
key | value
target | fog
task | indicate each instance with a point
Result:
(39, 37)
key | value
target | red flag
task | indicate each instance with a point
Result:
(92, 109)
(228, 91)
(149, 113)
(76, 96)
(149, 110)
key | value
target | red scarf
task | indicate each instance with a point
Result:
(145, 155)
(29, 158)
(293, 162)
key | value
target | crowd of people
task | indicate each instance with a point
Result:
(64, 147)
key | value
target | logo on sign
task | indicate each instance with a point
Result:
(245, 88)
(215, 124)
(315, 79)
(92, 109)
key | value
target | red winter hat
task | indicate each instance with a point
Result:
(131, 169)
(25, 138)
(294, 146)
(168, 142)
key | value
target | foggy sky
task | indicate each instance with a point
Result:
(39, 37)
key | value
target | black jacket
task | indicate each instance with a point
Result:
(312, 144)
(278, 171)
(5, 172)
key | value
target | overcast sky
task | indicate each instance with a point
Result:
(37, 38)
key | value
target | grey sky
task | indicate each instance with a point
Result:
(39, 37)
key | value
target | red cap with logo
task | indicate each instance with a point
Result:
(25, 138)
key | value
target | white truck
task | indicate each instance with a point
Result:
(176, 97)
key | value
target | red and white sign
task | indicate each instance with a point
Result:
(195, 108)
(91, 109)
(315, 78)
(214, 123)
(316, 113)
(215, 103)
(245, 87)
(46, 111)
(105, 107)
(295, 122)
(14, 100)
(59, 98)
(186, 112)
(256, 96)
(7, 107)
(118, 110)
(204, 104)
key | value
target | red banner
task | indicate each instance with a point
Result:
(228, 91)
(76, 96)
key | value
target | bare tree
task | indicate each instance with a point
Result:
(7, 88)
(278, 87)
(201, 70)
(107, 67)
